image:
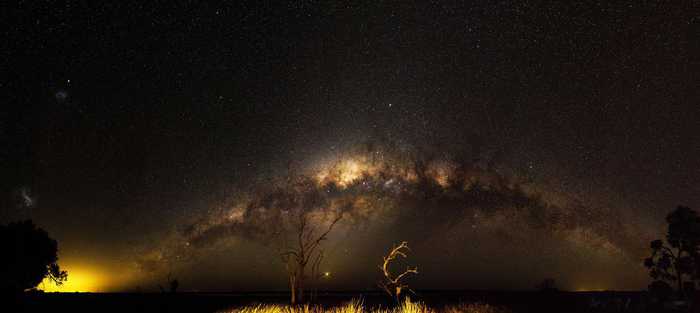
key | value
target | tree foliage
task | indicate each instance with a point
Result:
(676, 261)
(30, 256)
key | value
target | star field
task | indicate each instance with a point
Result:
(137, 134)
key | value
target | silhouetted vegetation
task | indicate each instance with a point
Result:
(547, 285)
(30, 255)
(173, 284)
(676, 261)
(660, 290)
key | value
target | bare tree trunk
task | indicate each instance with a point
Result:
(680, 284)
(296, 286)
(300, 287)
(678, 272)
(293, 288)
(296, 258)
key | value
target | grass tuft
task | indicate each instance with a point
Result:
(356, 306)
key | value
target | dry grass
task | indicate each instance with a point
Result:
(356, 306)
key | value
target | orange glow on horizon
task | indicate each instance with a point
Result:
(589, 289)
(80, 279)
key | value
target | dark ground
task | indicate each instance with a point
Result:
(517, 301)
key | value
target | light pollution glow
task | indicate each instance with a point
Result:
(81, 278)
(94, 275)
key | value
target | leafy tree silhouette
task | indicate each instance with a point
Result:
(676, 261)
(661, 290)
(30, 255)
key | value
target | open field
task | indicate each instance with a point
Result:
(342, 302)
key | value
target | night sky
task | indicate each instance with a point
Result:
(506, 142)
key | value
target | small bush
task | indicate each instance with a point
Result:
(476, 308)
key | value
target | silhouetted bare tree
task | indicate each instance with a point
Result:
(304, 249)
(293, 218)
(391, 284)
(30, 255)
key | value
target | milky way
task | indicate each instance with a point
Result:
(464, 207)
(507, 142)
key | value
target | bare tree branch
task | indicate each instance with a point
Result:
(393, 285)
(297, 255)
